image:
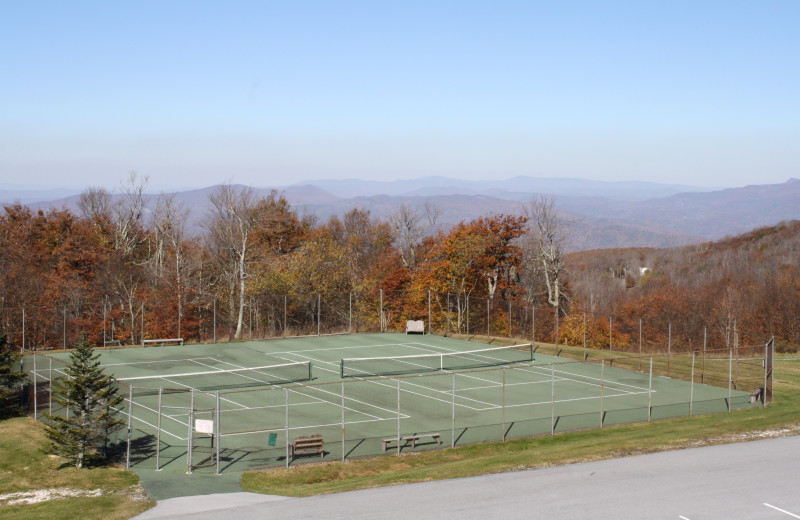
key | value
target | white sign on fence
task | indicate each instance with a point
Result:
(204, 426)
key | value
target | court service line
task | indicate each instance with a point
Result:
(192, 360)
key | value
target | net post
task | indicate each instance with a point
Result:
(217, 430)
(158, 429)
(602, 390)
(286, 424)
(532, 347)
(650, 393)
(130, 415)
(341, 368)
(691, 390)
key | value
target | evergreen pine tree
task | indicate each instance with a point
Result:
(90, 396)
(11, 378)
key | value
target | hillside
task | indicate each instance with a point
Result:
(602, 215)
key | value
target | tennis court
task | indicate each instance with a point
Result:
(237, 406)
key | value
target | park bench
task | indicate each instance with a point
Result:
(162, 341)
(306, 445)
(415, 327)
(112, 342)
(412, 439)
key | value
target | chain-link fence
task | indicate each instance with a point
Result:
(257, 428)
(282, 315)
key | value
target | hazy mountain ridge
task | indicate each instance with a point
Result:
(596, 221)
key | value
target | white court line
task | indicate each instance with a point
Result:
(682, 517)
(332, 402)
(782, 510)
(192, 360)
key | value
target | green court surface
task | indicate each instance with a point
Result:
(238, 422)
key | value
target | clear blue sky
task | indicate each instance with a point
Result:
(276, 92)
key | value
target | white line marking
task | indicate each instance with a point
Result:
(782, 510)
(682, 517)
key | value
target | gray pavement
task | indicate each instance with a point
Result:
(753, 480)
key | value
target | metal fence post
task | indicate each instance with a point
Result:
(602, 390)
(503, 433)
(350, 314)
(189, 443)
(430, 329)
(23, 329)
(488, 318)
(398, 417)
(214, 324)
(730, 375)
(584, 336)
(343, 424)
(319, 314)
(50, 387)
(217, 430)
(552, 398)
(703, 370)
(650, 393)
(130, 415)
(35, 390)
(158, 429)
(691, 390)
(286, 424)
(453, 423)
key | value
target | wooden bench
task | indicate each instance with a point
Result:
(112, 342)
(162, 341)
(415, 327)
(412, 439)
(307, 445)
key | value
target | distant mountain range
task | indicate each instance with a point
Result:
(602, 214)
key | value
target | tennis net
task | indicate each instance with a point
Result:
(394, 365)
(233, 378)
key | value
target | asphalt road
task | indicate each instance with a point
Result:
(750, 480)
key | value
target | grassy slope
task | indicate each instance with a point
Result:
(25, 466)
(782, 415)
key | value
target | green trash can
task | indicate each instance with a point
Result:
(273, 438)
